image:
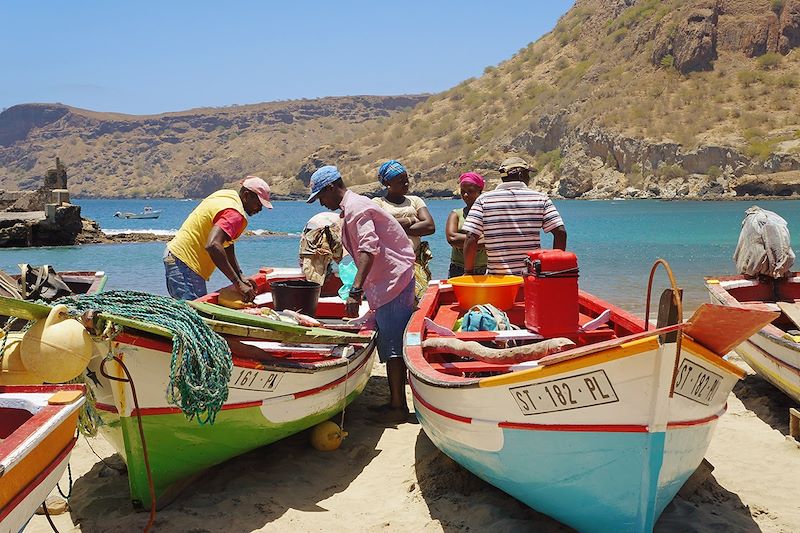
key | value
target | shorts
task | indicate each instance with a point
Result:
(392, 319)
(183, 283)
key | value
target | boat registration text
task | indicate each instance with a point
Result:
(573, 392)
(696, 382)
(256, 380)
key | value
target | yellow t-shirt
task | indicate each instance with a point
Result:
(189, 244)
(407, 209)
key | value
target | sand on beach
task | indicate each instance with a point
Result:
(394, 479)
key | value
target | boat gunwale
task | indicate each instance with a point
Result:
(600, 428)
(142, 340)
(421, 368)
(721, 294)
(364, 354)
(57, 461)
(16, 447)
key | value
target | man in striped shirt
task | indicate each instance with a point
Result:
(509, 219)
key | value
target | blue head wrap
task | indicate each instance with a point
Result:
(390, 170)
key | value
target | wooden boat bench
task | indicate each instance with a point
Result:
(461, 367)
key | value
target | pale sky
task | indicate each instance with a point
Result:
(150, 57)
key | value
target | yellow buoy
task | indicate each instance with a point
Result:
(327, 436)
(58, 348)
(13, 372)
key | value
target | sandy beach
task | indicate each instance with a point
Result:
(394, 479)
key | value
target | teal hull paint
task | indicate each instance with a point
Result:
(592, 481)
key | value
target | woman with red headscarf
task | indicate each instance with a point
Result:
(471, 184)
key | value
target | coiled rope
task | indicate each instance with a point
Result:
(201, 362)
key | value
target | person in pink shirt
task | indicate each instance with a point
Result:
(385, 276)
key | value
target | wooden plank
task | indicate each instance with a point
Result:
(23, 309)
(794, 423)
(484, 336)
(721, 328)
(223, 314)
(603, 345)
(33, 311)
(239, 330)
(469, 366)
(792, 311)
(132, 323)
(307, 337)
(446, 315)
(64, 397)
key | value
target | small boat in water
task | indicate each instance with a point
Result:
(37, 435)
(774, 351)
(600, 435)
(147, 213)
(285, 378)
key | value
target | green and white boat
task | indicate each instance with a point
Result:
(285, 378)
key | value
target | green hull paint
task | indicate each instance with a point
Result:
(179, 449)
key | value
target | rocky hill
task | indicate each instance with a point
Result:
(623, 98)
(184, 154)
(631, 98)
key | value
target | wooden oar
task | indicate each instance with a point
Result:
(35, 311)
(220, 319)
(299, 333)
(23, 309)
(239, 330)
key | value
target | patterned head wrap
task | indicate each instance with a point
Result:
(473, 178)
(390, 170)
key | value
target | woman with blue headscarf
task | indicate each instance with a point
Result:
(412, 214)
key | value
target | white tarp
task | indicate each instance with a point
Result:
(764, 245)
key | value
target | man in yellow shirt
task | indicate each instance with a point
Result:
(205, 241)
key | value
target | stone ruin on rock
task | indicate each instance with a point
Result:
(43, 217)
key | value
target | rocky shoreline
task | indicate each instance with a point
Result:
(92, 234)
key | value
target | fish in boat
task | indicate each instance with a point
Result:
(37, 435)
(600, 435)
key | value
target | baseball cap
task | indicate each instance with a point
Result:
(320, 179)
(259, 187)
(513, 162)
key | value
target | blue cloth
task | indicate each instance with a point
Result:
(321, 178)
(392, 319)
(390, 170)
(183, 283)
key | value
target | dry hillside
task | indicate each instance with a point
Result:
(623, 98)
(184, 154)
(633, 98)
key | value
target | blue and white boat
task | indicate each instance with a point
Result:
(600, 436)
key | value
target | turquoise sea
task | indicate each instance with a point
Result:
(616, 243)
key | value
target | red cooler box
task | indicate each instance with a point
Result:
(551, 293)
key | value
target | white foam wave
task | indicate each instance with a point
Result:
(117, 231)
(266, 232)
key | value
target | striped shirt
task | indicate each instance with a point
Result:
(510, 218)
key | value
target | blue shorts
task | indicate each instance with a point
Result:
(392, 319)
(183, 283)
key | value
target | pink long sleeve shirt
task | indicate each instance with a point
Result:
(368, 228)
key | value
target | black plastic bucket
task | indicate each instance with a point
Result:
(296, 295)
